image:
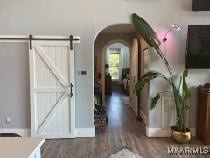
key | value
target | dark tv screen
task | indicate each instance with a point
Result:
(201, 5)
(198, 47)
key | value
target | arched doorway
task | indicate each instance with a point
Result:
(117, 66)
(120, 33)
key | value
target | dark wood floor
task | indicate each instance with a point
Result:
(123, 131)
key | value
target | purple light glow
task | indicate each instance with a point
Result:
(169, 43)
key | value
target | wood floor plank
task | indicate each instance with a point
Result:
(123, 131)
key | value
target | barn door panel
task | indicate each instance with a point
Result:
(52, 80)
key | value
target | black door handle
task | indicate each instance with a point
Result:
(71, 94)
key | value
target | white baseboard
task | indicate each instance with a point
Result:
(85, 132)
(143, 116)
(22, 132)
(160, 132)
(79, 132)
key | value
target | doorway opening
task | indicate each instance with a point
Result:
(117, 67)
(114, 62)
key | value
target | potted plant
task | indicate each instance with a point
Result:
(181, 92)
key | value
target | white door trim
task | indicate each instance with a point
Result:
(32, 92)
(72, 78)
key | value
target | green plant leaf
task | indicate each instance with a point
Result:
(154, 101)
(185, 73)
(149, 35)
(144, 29)
(144, 80)
(183, 90)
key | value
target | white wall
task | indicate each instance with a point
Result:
(14, 85)
(86, 19)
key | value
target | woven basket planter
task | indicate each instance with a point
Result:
(100, 122)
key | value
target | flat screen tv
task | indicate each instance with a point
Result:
(198, 47)
(201, 5)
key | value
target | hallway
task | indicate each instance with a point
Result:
(123, 131)
(117, 108)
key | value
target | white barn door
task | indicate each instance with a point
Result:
(52, 89)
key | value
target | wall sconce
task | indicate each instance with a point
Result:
(173, 27)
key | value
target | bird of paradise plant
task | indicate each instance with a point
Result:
(180, 92)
